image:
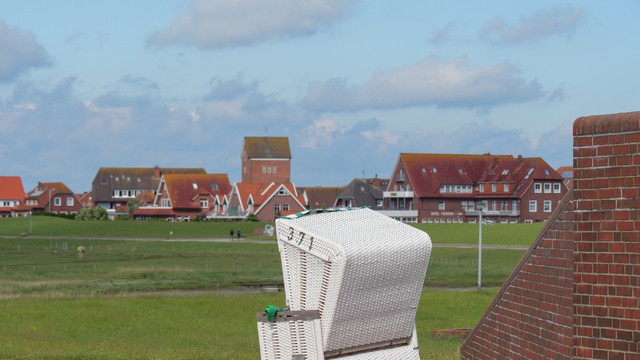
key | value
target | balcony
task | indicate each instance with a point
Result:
(400, 213)
(493, 213)
(397, 194)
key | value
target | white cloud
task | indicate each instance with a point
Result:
(20, 52)
(321, 132)
(429, 82)
(542, 24)
(228, 23)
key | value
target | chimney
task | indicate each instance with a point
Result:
(156, 172)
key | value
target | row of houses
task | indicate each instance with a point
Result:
(422, 188)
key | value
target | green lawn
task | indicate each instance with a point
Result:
(42, 267)
(44, 226)
(187, 327)
(495, 234)
(55, 305)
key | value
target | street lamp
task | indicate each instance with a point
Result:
(480, 206)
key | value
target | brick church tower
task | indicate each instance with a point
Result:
(266, 160)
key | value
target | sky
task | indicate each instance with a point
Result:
(352, 84)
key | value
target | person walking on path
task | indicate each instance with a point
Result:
(238, 232)
(231, 235)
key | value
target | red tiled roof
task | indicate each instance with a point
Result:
(185, 190)
(11, 188)
(267, 147)
(261, 193)
(322, 197)
(426, 172)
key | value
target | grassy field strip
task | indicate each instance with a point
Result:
(43, 226)
(187, 327)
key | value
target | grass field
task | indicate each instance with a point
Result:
(187, 327)
(44, 226)
(55, 305)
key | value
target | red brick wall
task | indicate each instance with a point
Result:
(576, 293)
(255, 171)
(607, 238)
(531, 317)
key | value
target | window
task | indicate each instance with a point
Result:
(195, 186)
(533, 206)
(347, 202)
(481, 187)
(556, 188)
(204, 203)
(547, 188)
(537, 188)
(494, 187)
(443, 188)
(57, 201)
(379, 203)
(441, 205)
(276, 208)
(506, 187)
(547, 206)
(285, 207)
(529, 173)
(505, 171)
(281, 191)
(69, 201)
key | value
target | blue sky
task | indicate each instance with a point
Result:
(179, 83)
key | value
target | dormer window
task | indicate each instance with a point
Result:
(281, 191)
(433, 169)
(529, 173)
(195, 186)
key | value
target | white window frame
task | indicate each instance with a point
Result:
(204, 203)
(441, 205)
(57, 201)
(70, 201)
(533, 206)
(537, 188)
(506, 188)
(494, 187)
(546, 206)
(556, 188)
(547, 188)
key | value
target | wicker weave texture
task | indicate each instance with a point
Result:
(364, 271)
(282, 340)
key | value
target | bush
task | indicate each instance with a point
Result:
(89, 214)
(252, 217)
(63, 216)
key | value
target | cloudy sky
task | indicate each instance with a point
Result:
(179, 83)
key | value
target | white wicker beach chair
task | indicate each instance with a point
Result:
(363, 272)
